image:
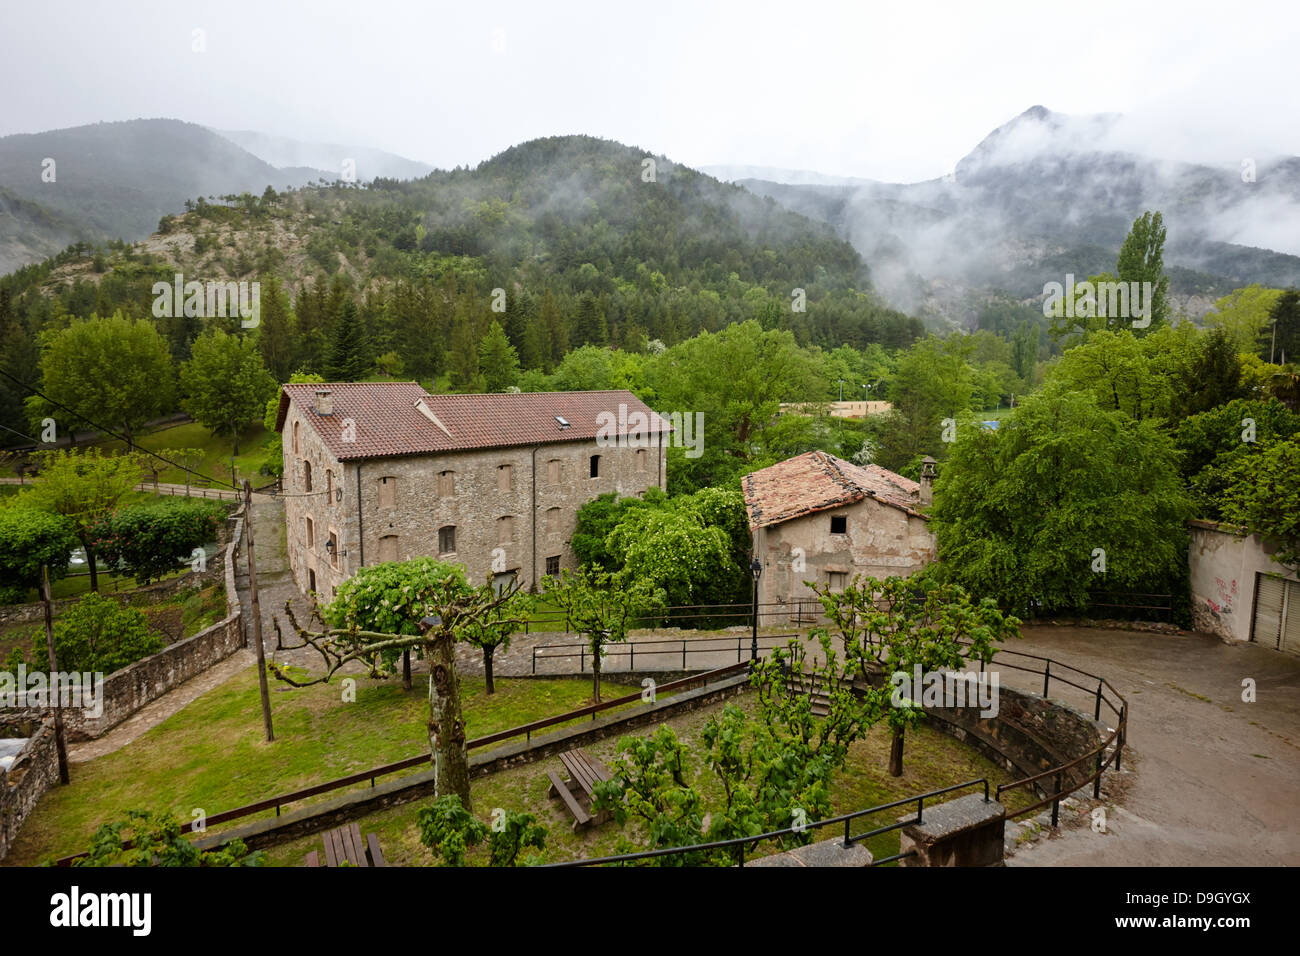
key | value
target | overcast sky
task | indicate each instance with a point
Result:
(892, 91)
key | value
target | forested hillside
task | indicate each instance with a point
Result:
(565, 242)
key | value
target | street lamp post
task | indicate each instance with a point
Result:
(756, 569)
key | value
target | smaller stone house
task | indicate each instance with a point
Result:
(817, 518)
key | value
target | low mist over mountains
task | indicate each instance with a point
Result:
(1048, 194)
(326, 160)
(1043, 195)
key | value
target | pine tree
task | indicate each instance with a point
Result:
(464, 367)
(277, 331)
(555, 332)
(589, 322)
(347, 361)
(498, 361)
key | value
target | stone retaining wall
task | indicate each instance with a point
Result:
(1028, 735)
(125, 691)
(34, 770)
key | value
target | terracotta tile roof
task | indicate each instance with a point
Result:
(817, 481)
(388, 423)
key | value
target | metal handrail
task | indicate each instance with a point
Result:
(683, 646)
(741, 842)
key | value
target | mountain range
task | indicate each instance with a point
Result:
(117, 180)
(1048, 194)
(1040, 197)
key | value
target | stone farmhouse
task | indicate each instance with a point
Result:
(377, 472)
(821, 519)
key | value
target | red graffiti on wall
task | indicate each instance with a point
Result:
(1227, 594)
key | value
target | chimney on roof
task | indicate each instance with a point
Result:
(927, 481)
(323, 402)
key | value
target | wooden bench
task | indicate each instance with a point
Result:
(344, 846)
(584, 773)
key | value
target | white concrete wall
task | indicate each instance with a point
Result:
(1223, 568)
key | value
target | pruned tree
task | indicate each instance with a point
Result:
(596, 603)
(774, 771)
(494, 629)
(384, 610)
(896, 625)
(84, 488)
(146, 838)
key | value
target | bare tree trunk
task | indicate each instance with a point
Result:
(446, 726)
(896, 753)
(406, 669)
(488, 651)
(595, 673)
(90, 563)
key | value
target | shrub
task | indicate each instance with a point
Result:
(31, 538)
(149, 540)
(156, 841)
(97, 635)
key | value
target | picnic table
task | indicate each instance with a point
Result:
(584, 773)
(344, 846)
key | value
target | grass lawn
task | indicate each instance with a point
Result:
(216, 450)
(931, 760)
(212, 755)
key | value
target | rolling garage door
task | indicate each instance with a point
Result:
(1277, 613)
(1291, 618)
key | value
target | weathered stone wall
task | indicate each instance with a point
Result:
(125, 691)
(34, 770)
(474, 508)
(1029, 733)
(880, 540)
(967, 831)
(1222, 571)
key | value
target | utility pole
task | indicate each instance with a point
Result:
(256, 609)
(55, 686)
